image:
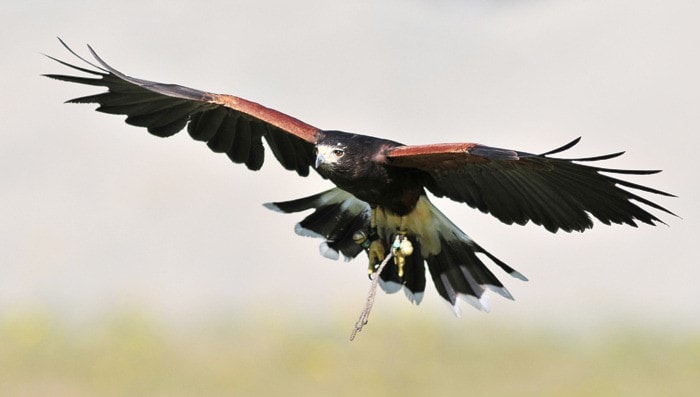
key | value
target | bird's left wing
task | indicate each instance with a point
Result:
(517, 187)
(227, 124)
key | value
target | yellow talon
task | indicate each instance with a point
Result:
(376, 255)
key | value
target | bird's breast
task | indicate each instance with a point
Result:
(398, 194)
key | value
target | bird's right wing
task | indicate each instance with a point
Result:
(227, 124)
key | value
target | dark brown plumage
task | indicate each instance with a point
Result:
(381, 184)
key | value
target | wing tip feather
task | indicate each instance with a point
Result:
(563, 148)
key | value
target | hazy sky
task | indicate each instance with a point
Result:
(97, 214)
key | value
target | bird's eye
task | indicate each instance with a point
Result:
(338, 152)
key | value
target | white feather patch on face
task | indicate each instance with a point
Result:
(328, 153)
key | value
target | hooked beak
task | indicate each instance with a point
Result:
(320, 159)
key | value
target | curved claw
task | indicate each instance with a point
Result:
(376, 256)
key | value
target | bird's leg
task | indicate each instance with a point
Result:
(376, 248)
(402, 246)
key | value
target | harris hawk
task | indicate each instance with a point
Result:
(379, 203)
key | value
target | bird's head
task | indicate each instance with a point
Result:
(342, 156)
(329, 156)
(334, 152)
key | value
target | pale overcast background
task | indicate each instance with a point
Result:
(98, 215)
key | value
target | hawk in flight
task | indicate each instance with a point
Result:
(379, 203)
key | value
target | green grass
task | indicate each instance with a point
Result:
(134, 355)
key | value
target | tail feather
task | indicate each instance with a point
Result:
(459, 273)
(451, 256)
(413, 280)
(512, 272)
(453, 259)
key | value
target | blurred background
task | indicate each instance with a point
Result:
(133, 265)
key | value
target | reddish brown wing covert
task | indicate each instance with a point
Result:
(446, 156)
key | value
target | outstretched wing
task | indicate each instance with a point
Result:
(227, 124)
(517, 187)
